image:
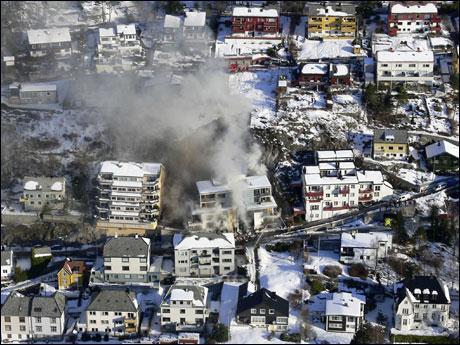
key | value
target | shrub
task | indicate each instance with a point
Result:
(97, 337)
(19, 275)
(332, 271)
(220, 333)
(358, 270)
(106, 337)
(85, 336)
(316, 286)
(279, 246)
(403, 268)
(290, 337)
(369, 334)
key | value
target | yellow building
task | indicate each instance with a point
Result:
(455, 59)
(331, 21)
(390, 144)
(71, 275)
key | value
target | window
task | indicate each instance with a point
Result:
(53, 320)
(253, 311)
(108, 268)
(92, 321)
(182, 311)
(262, 311)
(105, 313)
(335, 318)
(7, 319)
(416, 315)
(166, 311)
(7, 327)
(198, 311)
(38, 328)
(405, 322)
(271, 311)
(227, 260)
(38, 319)
(314, 207)
(166, 319)
(143, 260)
(53, 329)
(124, 259)
(351, 319)
(257, 319)
(92, 313)
(405, 311)
(143, 268)
(425, 316)
(22, 328)
(281, 319)
(412, 65)
(125, 268)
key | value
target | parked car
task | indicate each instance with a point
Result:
(440, 186)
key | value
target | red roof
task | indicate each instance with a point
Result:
(74, 266)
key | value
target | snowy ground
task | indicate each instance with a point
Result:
(425, 203)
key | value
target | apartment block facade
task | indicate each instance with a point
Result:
(55, 41)
(365, 248)
(331, 21)
(413, 17)
(390, 144)
(255, 22)
(41, 191)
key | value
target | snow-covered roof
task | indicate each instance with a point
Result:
(374, 176)
(254, 12)
(172, 22)
(327, 166)
(187, 292)
(315, 68)
(441, 147)
(400, 8)
(56, 186)
(261, 181)
(405, 56)
(48, 36)
(401, 42)
(129, 29)
(329, 11)
(347, 165)
(189, 336)
(344, 303)
(36, 87)
(339, 70)
(440, 41)
(130, 169)
(203, 240)
(53, 184)
(328, 155)
(195, 19)
(318, 180)
(110, 32)
(207, 187)
(31, 185)
(181, 295)
(328, 49)
(364, 240)
(311, 169)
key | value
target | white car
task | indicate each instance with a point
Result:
(440, 186)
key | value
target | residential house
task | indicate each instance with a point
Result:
(421, 302)
(42, 252)
(335, 186)
(314, 74)
(404, 67)
(185, 308)
(33, 93)
(332, 21)
(129, 197)
(127, 260)
(171, 28)
(55, 41)
(442, 156)
(413, 17)
(7, 264)
(195, 26)
(113, 311)
(339, 74)
(204, 254)
(264, 308)
(255, 22)
(41, 191)
(365, 248)
(390, 144)
(33, 317)
(72, 274)
(344, 312)
(260, 206)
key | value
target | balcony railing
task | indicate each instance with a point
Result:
(365, 198)
(344, 190)
(336, 208)
(366, 190)
(314, 193)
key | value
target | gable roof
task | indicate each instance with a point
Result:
(421, 288)
(344, 303)
(17, 305)
(264, 296)
(42, 306)
(440, 148)
(48, 36)
(195, 19)
(114, 300)
(70, 266)
(400, 136)
(364, 240)
(203, 240)
(127, 246)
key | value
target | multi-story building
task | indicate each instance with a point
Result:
(404, 67)
(364, 248)
(185, 308)
(33, 317)
(7, 264)
(255, 22)
(204, 254)
(344, 312)
(71, 275)
(129, 197)
(259, 203)
(171, 28)
(324, 73)
(421, 302)
(127, 260)
(442, 156)
(331, 21)
(390, 143)
(413, 17)
(334, 186)
(264, 308)
(113, 311)
(49, 41)
(195, 26)
(41, 191)
(33, 93)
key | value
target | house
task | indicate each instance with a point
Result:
(404, 67)
(204, 254)
(33, 317)
(255, 22)
(184, 308)
(442, 156)
(113, 311)
(195, 26)
(107, 41)
(413, 17)
(421, 302)
(32, 93)
(390, 144)
(71, 275)
(335, 186)
(55, 41)
(344, 312)
(264, 308)
(314, 73)
(127, 260)
(129, 199)
(333, 21)
(339, 74)
(41, 191)
(364, 248)
(7, 264)
(41, 252)
(171, 28)
(188, 338)
(441, 45)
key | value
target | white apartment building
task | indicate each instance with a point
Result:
(414, 18)
(41, 191)
(113, 311)
(334, 186)
(127, 260)
(204, 254)
(107, 41)
(185, 307)
(7, 264)
(45, 41)
(420, 303)
(195, 26)
(129, 196)
(259, 203)
(365, 248)
(344, 312)
(414, 67)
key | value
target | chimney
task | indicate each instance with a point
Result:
(68, 259)
(116, 235)
(353, 233)
(418, 49)
(136, 236)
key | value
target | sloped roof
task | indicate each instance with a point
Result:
(440, 148)
(195, 19)
(127, 246)
(70, 266)
(203, 240)
(17, 305)
(424, 283)
(400, 136)
(364, 240)
(344, 303)
(114, 300)
(48, 36)
(264, 296)
(48, 306)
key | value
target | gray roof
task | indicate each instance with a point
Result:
(399, 135)
(42, 250)
(114, 300)
(6, 254)
(126, 246)
(43, 306)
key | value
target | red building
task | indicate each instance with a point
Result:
(413, 17)
(339, 74)
(314, 73)
(255, 22)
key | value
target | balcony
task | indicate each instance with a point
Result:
(314, 193)
(336, 208)
(344, 190)
(130, 324)
(436, 20)
(365, 198)
(366, 190)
